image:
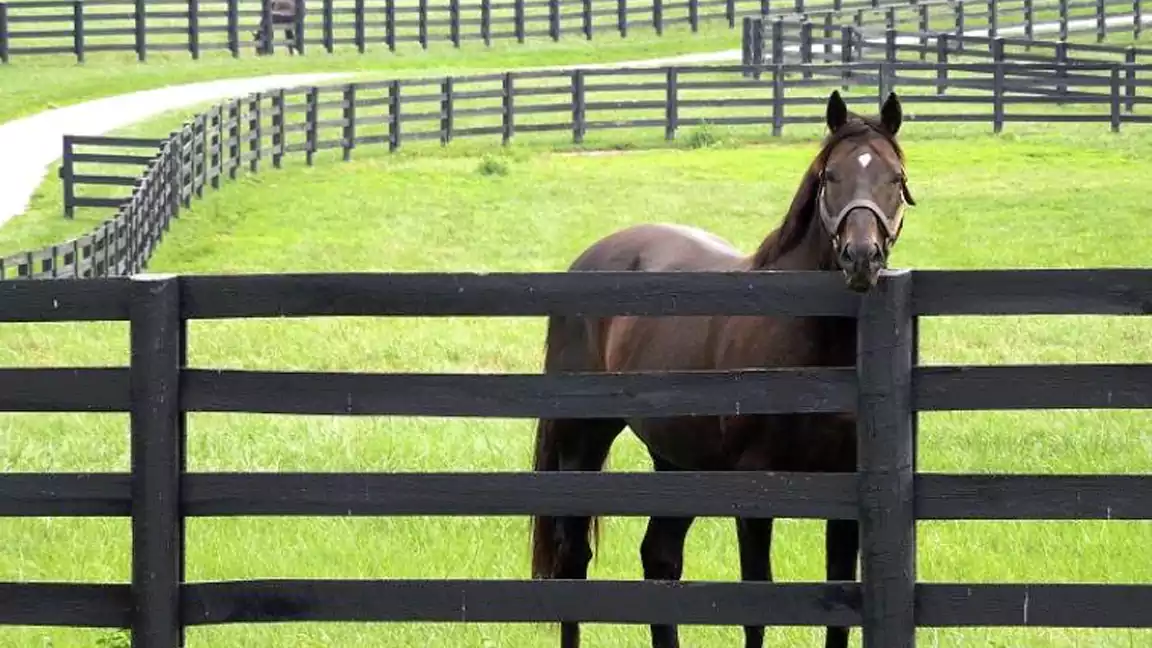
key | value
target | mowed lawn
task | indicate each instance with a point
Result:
(1043, 200)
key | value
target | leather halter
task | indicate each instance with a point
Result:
(832, 223)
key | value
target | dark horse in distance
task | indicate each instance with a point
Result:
(845, 216)
(282, 12)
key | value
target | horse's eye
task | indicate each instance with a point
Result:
(831, 176)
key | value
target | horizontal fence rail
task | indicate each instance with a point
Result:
(157, 388)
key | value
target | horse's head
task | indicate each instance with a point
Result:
(863, 189)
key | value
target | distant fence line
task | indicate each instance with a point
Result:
(887, 494)
(79, 27)
(264, 127)
(798, 38)
(246, 133)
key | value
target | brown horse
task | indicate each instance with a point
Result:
(846, 216)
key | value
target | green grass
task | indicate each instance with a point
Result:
(32, 84)
(1041, 198)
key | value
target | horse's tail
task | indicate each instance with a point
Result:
(544, 543)
(566, 349)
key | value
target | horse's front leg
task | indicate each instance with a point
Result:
(755, 536)
(662, 553)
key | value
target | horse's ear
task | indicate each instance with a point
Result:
(837, 114)
(891, 114)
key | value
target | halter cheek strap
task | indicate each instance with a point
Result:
(832, 222)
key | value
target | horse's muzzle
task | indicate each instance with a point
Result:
(861, 262)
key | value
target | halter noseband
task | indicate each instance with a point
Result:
(832, 223)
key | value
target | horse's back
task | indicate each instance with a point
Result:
(659, 247)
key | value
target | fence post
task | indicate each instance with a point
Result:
(671, 105)
(729, 12)
(507, 115)
(1101, 27)
(1063, 20)
(485, 21)
(747, 54)
(993, 18)
(694, 15)
(1114, 103)
(390, 24)
(846, 56)
(454, 22)
(233, 28)
(279, 127)
(829, 31)
(217, 145)
(925, 24)
(1062, 70)
(233, 138)
(959, 25)
(778, 40)
(806, 48)
(887, 453)
(158, 348)
(446, 108)
(998, 86)
(777, 99)
(883, 87)
(1029, 23)
(326, 25)
(578, 124)
(422, 19)
(78, 30)
(358, 26)
(1130, 78)
(658, 16)
(518, 19)
(266, 27)
(67, 178)
(1137, 18)
(554, 19)
(349, 116)
(394, 117)
(890, 45)
(139, 24)
(256, 128)
(941, 63)
(4, 32)
(312, 115)
(622, 17)
(586, 18)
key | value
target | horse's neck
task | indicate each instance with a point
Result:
(831, 339)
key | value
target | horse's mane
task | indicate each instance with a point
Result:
(799, 217)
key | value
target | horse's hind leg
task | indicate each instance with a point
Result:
(662, 553)
(755, 537)
(562, 546)
(842, 542)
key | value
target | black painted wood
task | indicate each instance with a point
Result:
(722, 494)
(156, 461)
(584, 293)
(64, 390)
(517, 395)
(65, 604)
(1049, 606)
(1034, 292)
(1016, 387)
(886, 451)
(596, 601)
(1033, 497)
(64, 300)
(65, 495)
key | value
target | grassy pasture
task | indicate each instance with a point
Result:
(1035, 197)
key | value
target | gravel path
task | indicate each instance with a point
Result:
(30, 145)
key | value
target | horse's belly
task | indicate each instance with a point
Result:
(686, 442)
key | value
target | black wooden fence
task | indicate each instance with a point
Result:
(894, 30)
(885, 390)
(80, 27)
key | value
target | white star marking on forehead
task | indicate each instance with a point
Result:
(865, 159)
